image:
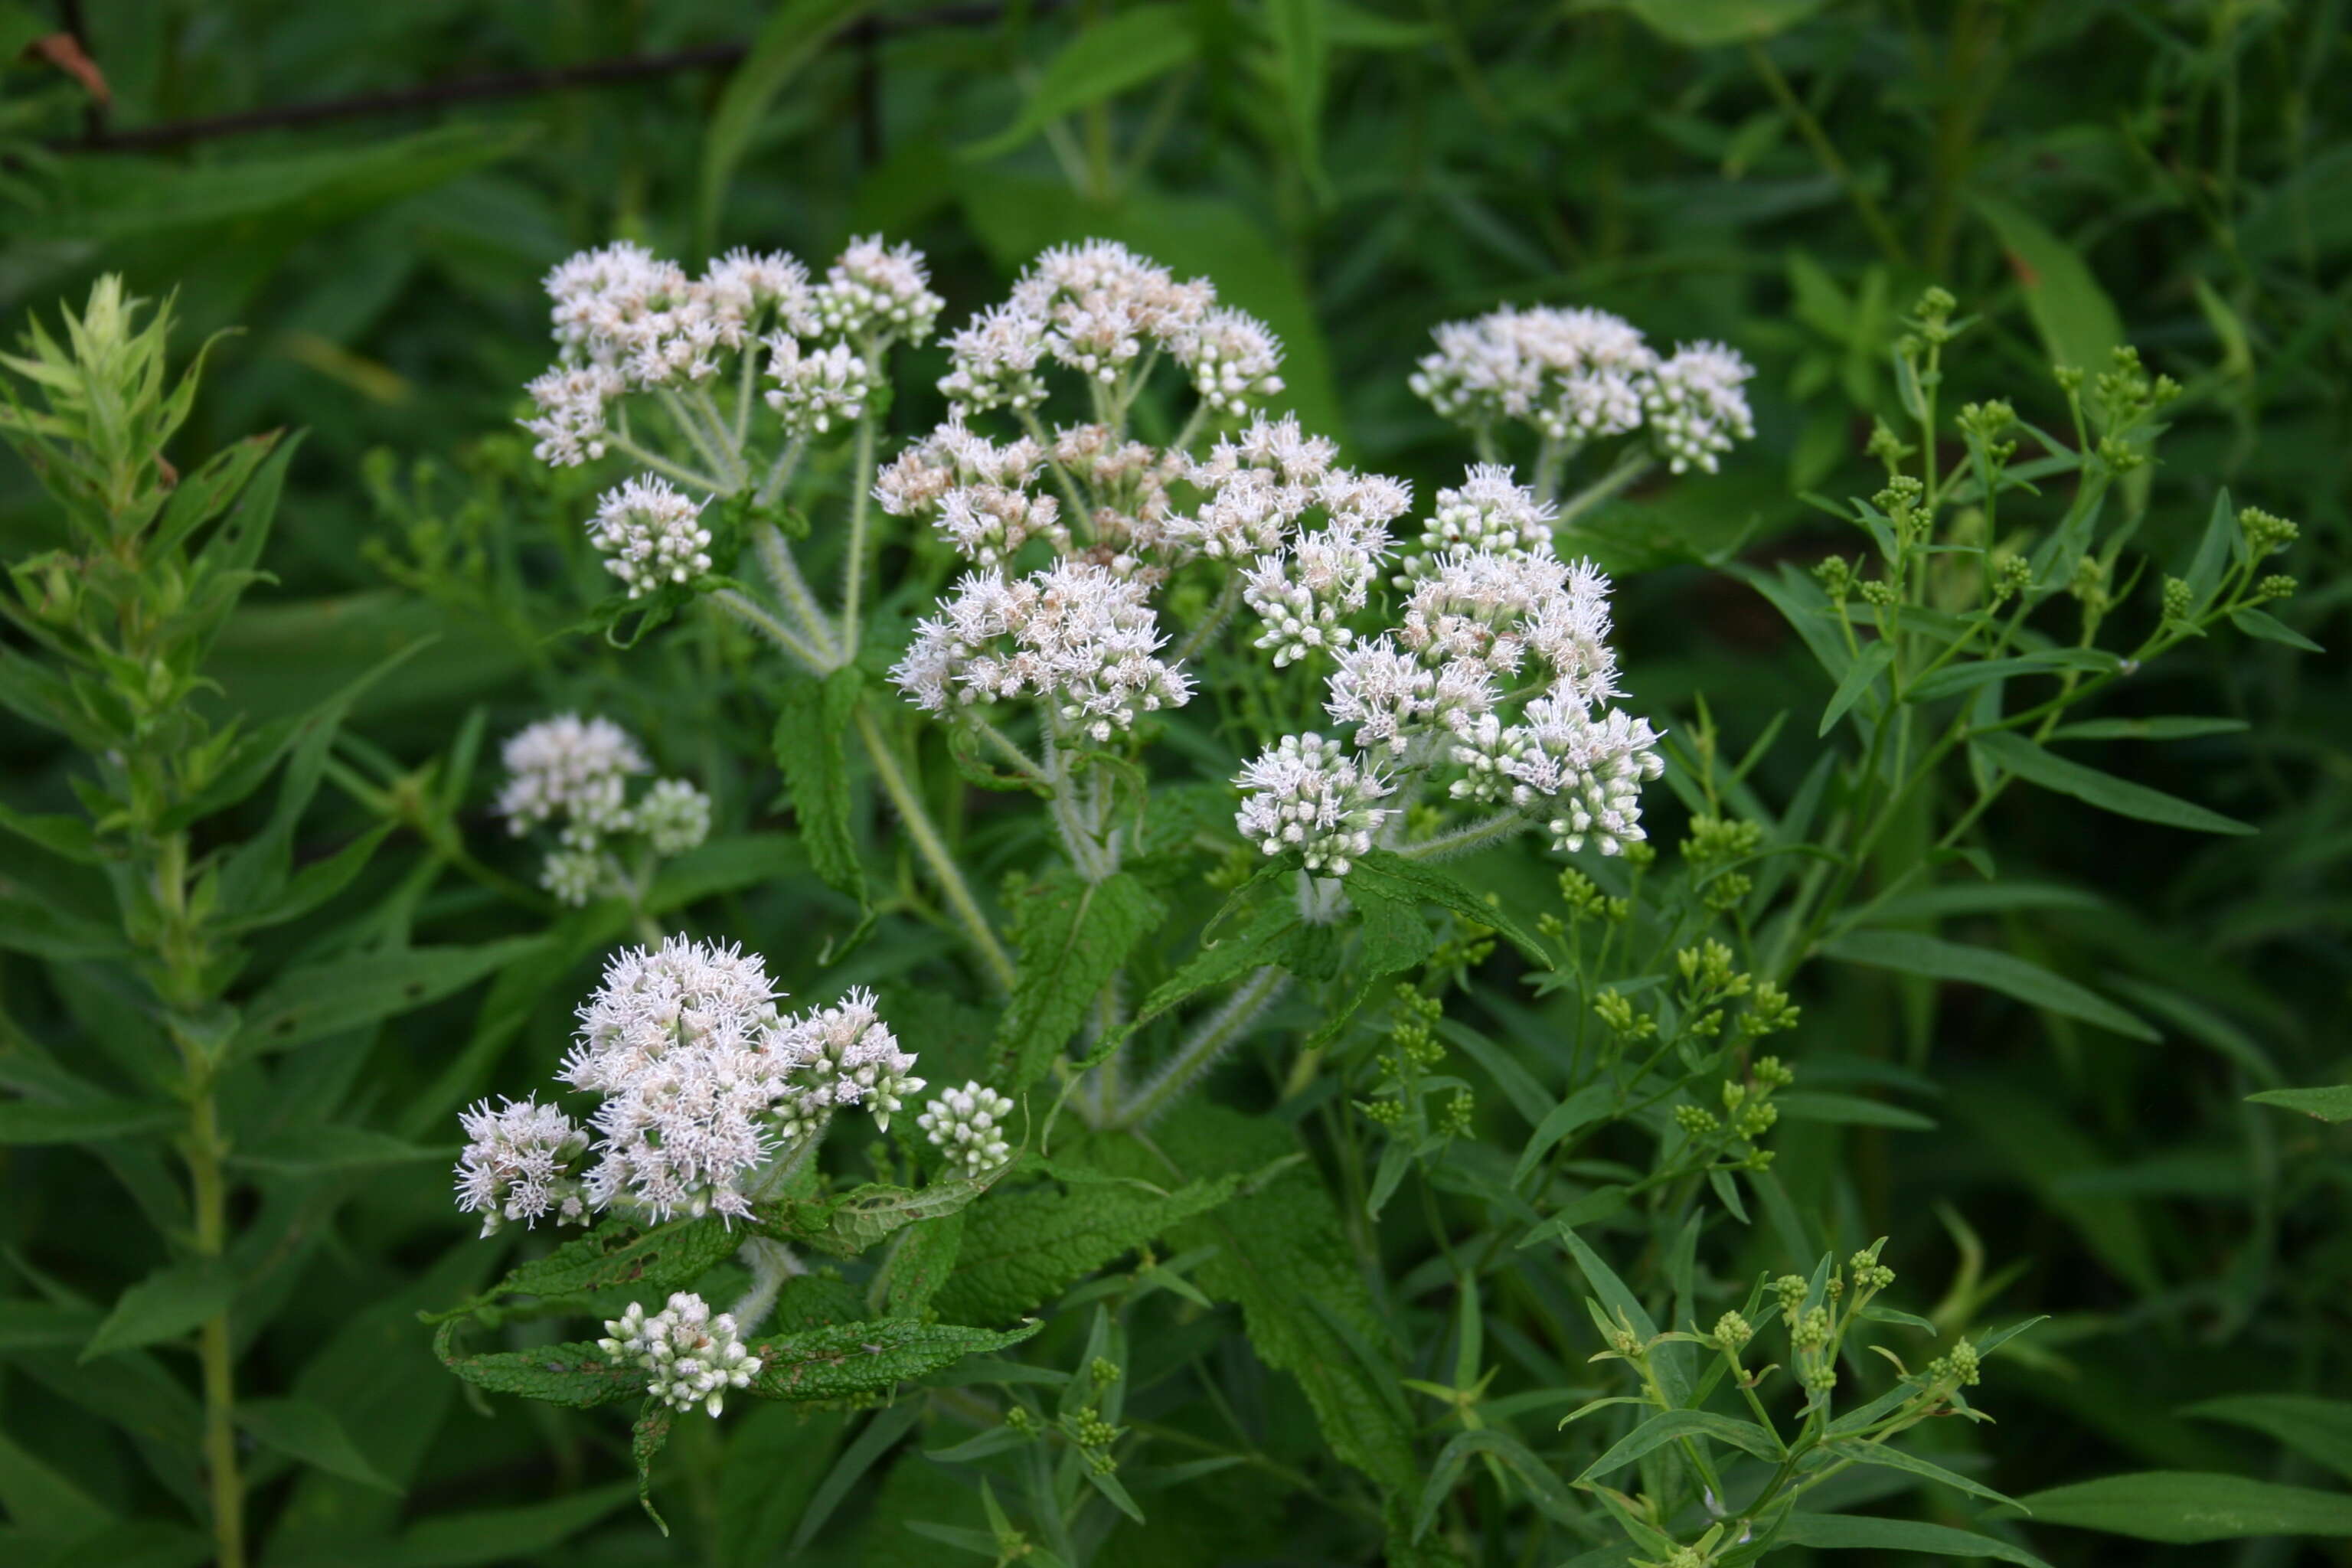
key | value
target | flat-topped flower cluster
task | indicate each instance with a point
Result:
(575, 775)
(1578, 374)
(1476, 662)
(704, 1086)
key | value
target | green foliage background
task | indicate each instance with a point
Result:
(1784, 175)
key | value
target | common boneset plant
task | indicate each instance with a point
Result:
(1266, 706)
(1149, 563)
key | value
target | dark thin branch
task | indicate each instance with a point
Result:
(98, 138)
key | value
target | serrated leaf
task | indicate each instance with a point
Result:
(812, 718)
(2190, 1507)
(1916, 952)
(2105, 791)
(1073, 935)
(920, 1263)
(847, 1223)
(867, 1358)
(577, 1376)
(658, 1261)
(1023, 1247)
(306, 1430)
(1404, 878)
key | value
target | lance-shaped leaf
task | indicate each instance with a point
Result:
(852, 1359)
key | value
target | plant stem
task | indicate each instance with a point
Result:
(1462, 840)
(933, 849)
(853, 572)
(208, 1195)
(1208, 1042)
(1866, 205)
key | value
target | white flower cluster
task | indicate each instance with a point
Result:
(1491, 512)
(705, 1083)
(1578, 374)
(695, 1358)
(816, 387)
(1098, 308)
(1075, 636)
(1309, 794)
(650, 535)
(575, 772)
(968, 1123)
(975, 492)
(517, 1164)
(1499, 664)
(627, 320)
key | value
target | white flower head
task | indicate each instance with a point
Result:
(578, 876)
(517, 1164)
(1234, 359)
(570, 422)
(650, 533)
(1581, 775)
(673, 817)
(1310, 794)
(1491, 512)
(573, 768)
(847, 1056)
(993, 362)
(743, 288)
(816, 387)
(693, 1357)
(968, 1124)
(874, 289)
(1304, 593)
(1574, 374)
(1077, 636)
(1698, 405)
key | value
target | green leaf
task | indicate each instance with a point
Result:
(2108, 793)
(847, 1223)
(43, 1502)
(306, 1430)
(2316, 1428)
(500, 1535)
(1933, 958)
(1969, 674)
(2262, 625)
(576, 1375)
(28, 1122)
(325, 1147)
(2214, 547)
(655, 1261)
(1671, 1362)
(2190, 1507)
(1302, 48)
(68, 836)
(812, 717)
(1023, 1247)
(1697, 24)
(1404, 879)
(1848, 1111)
(1073, 935)
(921, 1261)
(323, 999)
(1110, 56)
(2159, 728)
(1667, 1425)
(2333, 1103)
(1837, 1531)
(647, 1434)
(1885, 1458)
(1541, 1480)
(2077, 321)
(792, 35)
(166, 1305)
(1580, 1110)
(868, 1358)
(1861, 673)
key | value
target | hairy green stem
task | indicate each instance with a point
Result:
(1218, 1031)
(933, 849)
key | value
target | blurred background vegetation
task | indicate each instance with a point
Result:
(372, 192)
